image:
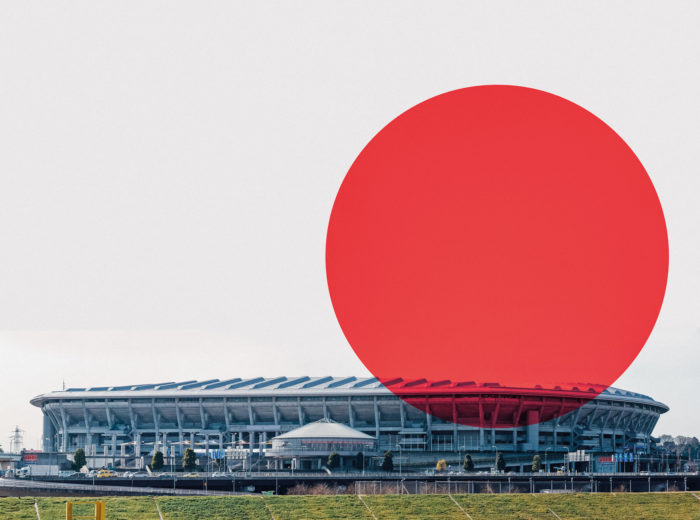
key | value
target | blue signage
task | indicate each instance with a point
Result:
(218, 454)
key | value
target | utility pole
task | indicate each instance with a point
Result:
(16, 440)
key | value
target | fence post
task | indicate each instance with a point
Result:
(69, 511)
(100, 511)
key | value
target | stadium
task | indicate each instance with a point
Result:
(121, 426)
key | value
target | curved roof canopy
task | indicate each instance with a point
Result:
(320, 386)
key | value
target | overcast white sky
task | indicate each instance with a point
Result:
(167, 170)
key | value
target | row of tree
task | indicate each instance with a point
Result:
(680, 445)
(468, 463)
(189, 460)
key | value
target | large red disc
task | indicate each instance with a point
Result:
(497, 234)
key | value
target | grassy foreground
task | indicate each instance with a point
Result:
(603, 506)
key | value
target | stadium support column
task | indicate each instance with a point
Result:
(88, 437)
(351, 413)
(137, 451)
(64, 436)
(181, 435)
(574, 422)
(114, 447)
(48, 433)
(533, 430)
(428, 426)
(156, 422)
(482, 425)
(376, 418)
(454, 424)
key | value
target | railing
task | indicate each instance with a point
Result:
(99, 511)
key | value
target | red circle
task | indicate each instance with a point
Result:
(497, 234)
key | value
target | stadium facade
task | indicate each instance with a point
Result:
(127, 423)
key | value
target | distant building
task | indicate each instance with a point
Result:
(124, 425)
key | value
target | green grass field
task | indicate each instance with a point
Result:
(603, 506)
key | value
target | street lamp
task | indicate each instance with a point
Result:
(398, 446)
(546, 467)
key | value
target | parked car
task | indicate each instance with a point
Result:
(68, 474)
(106, 473)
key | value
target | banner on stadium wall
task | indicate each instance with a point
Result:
(218, 454)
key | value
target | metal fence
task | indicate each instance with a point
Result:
(519, 485)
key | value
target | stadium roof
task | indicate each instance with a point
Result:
(308, 385)
(325, 429)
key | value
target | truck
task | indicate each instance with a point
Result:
(37, 470)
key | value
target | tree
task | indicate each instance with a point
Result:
(360, 460)
(500, 462)
(157, 461)
(441, 465)
(333, 460)
(536, 463)
(468, 464)
(189, 460)
(388, 462)
(79, 459)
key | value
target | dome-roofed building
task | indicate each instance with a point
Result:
(308, 447)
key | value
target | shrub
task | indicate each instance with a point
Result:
(189, 460)
(79, 459)
(333, 460)
(468, 464)
(536, 463)
(388, 462)
(157, 461)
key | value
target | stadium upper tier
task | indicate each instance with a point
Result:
(417, 415)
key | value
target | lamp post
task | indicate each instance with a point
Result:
(398, 447)
(546, 467)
